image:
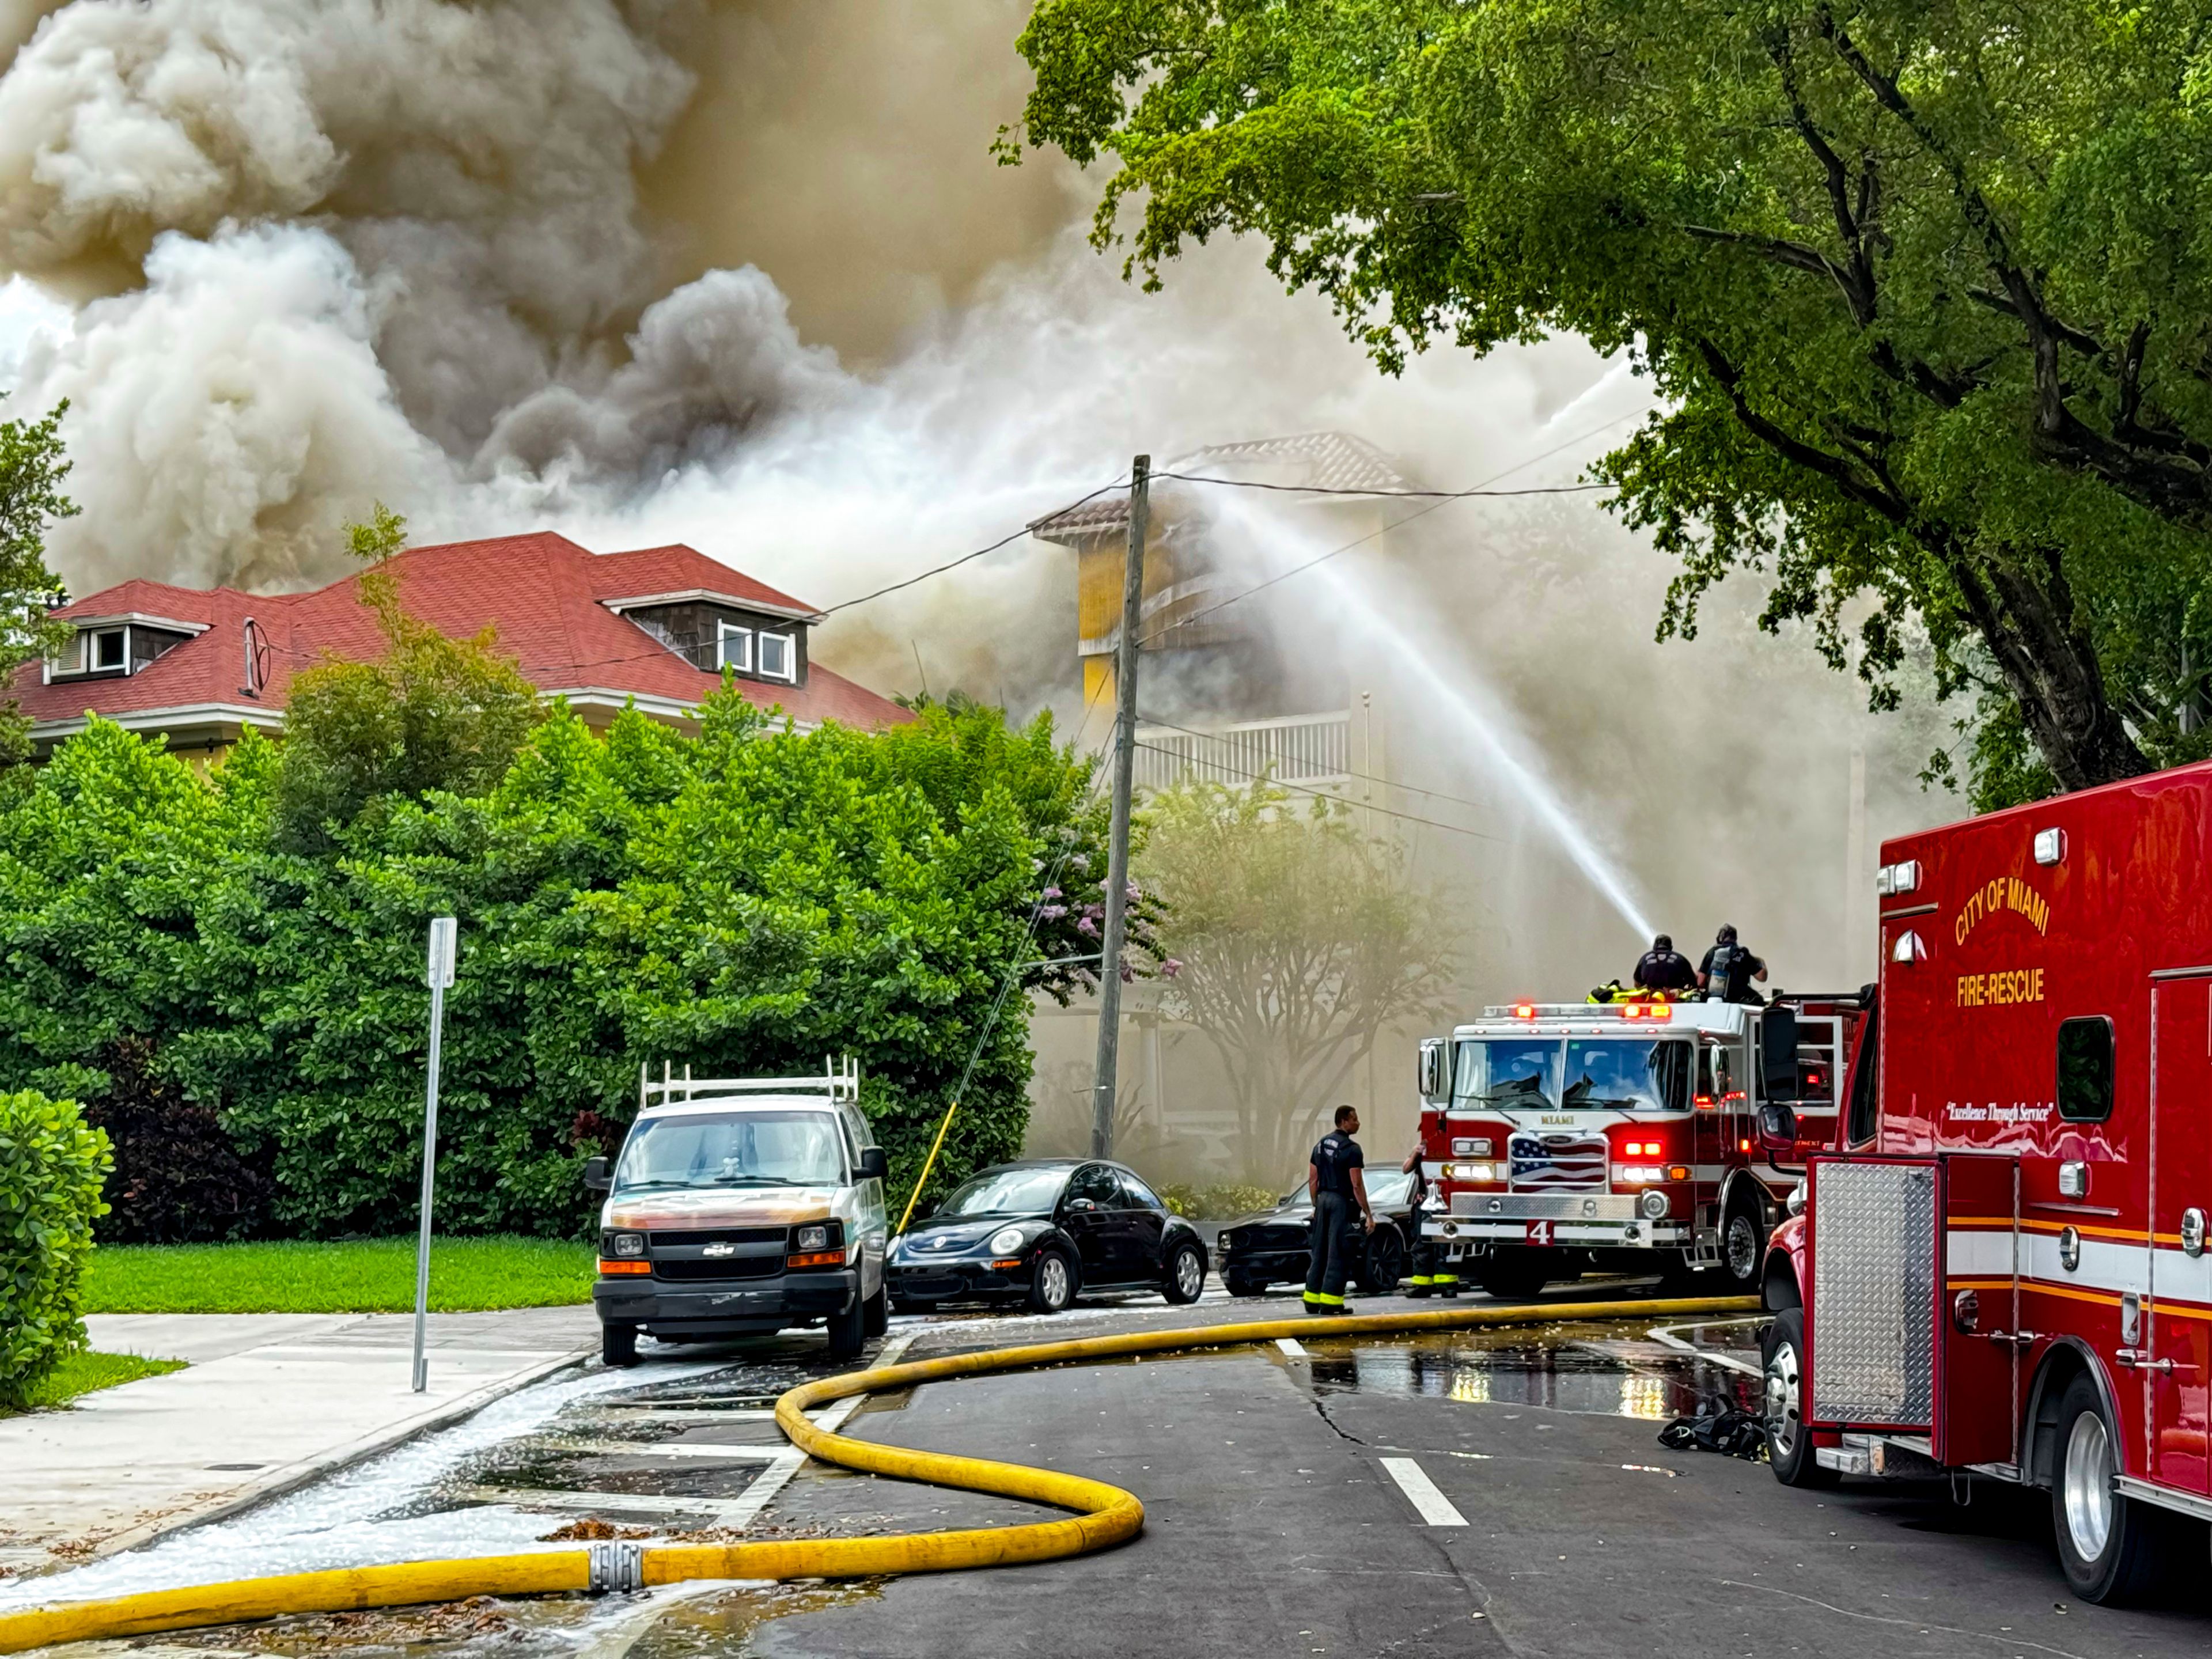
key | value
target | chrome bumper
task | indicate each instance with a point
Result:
(1608, 1220)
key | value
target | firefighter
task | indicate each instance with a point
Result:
(1663, 968)
(1335, 1183)
(1431, 1272)
(1727, 972)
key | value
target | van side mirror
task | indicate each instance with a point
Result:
(875, 1163)
(1777, 1128)
(1777, 1054)
(597, 1176)
(1434, 1071)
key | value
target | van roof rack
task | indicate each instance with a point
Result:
(839, 1079)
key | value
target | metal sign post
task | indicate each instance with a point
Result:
(443, 933)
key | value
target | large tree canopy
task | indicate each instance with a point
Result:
(1925, 287)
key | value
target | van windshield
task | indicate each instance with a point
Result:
(741, 1149)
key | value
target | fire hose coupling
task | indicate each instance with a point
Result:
(617, 1568)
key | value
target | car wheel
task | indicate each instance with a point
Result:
(1788, 1443)
(618, 1344)
(1185, 1279)
(1383, 1262)
(2114, 1549)
(849, 1330)
(1052, 1283)
(1514, 1273)
(1743, 1248)
(876, 1317)
(1242, 1284)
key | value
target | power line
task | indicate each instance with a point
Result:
(1322, 794)
(1366, 494)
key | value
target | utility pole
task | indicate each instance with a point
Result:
(1117, 855)
(438, 973)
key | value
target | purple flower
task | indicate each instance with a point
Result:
(1133, 895)
(1170, 968)
(1087, 928)
(1128, 975)
(1051, 912)
(1081, 860)
(1052, 893)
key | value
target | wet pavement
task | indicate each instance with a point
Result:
(1460, 1493)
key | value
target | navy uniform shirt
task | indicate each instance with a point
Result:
(1336, 1156)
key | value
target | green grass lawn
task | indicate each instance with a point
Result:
(81, 1373)
(374, 1276)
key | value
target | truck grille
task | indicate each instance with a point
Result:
(741, 1266)
(1550, 1163)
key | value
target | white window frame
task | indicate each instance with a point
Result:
(742, 659)
(93, 636)
(789, 672)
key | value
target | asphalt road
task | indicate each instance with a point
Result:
(1274, 1527)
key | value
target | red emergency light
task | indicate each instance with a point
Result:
(1645, 1011)
(1524, 1011)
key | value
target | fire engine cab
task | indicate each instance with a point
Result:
(2000, 1270)
(1622, 1135)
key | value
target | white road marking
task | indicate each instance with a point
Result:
(769, 1483)
(1291, 1345)
(1665, 1335)
(1434, 1508)
(617, 1503)
(672, 1448)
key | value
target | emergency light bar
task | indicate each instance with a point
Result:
(1658, 1011)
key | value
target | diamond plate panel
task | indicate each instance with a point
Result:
(1874, 1294)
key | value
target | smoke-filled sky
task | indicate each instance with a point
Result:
(742, 273)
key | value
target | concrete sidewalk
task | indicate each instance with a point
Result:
(270, 1400)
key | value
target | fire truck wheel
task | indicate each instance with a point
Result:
(1515, 1274)
(1743, 1248)
(2115, 1550)
(1789, 1446)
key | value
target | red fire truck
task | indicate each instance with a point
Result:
(2001, 1271)
(1622, 1136)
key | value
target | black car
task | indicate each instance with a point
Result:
(1272, 1249)
(1040, 1231)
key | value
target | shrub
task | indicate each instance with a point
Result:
(52, 1167)
(179, 1176)
(1224, 1200)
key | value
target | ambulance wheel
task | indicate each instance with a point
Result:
(1514, 1273)
(877, 1317)
(2114, 1549)
(1743, 1248)
(848, 1331)
(618, 1344)
(1788, 1443)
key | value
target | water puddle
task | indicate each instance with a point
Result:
(1605, 1369)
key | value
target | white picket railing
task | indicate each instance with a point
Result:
(1311, 750)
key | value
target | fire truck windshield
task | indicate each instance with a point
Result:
(1613, 1074)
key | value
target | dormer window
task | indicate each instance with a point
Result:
(716, 632)
(110, 645)
(779, 657)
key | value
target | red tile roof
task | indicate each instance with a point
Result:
(548, 597)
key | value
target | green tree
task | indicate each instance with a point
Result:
(433, 713)
(1297, 941)
(1923, 289)
(31, 468)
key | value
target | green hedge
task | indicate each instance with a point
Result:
(52, 1165)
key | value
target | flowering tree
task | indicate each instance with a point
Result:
(1297, 938)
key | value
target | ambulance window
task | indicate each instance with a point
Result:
(2085, 1069)
(1860, 1129)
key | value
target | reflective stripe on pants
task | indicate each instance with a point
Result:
(1331, 1249)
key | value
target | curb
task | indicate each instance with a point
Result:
(292, 1476)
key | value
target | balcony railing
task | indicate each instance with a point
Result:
(1311, 750)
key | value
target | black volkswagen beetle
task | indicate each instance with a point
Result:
(1272, 1249)
(1040, 1231)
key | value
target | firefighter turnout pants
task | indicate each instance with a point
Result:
(1430, 1274)
(1333, 1242)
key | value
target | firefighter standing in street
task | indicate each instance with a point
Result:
(1335, 1182)
(1429, 1273)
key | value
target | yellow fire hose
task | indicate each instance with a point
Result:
(1102, 1514)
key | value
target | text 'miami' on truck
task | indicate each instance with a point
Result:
(2000, 1273)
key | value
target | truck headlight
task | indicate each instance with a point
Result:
(1005, 1240)
(1653, 1204)
(813, 1238)
(629, 1244)
(1471, 1148)
(1474, 1172)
